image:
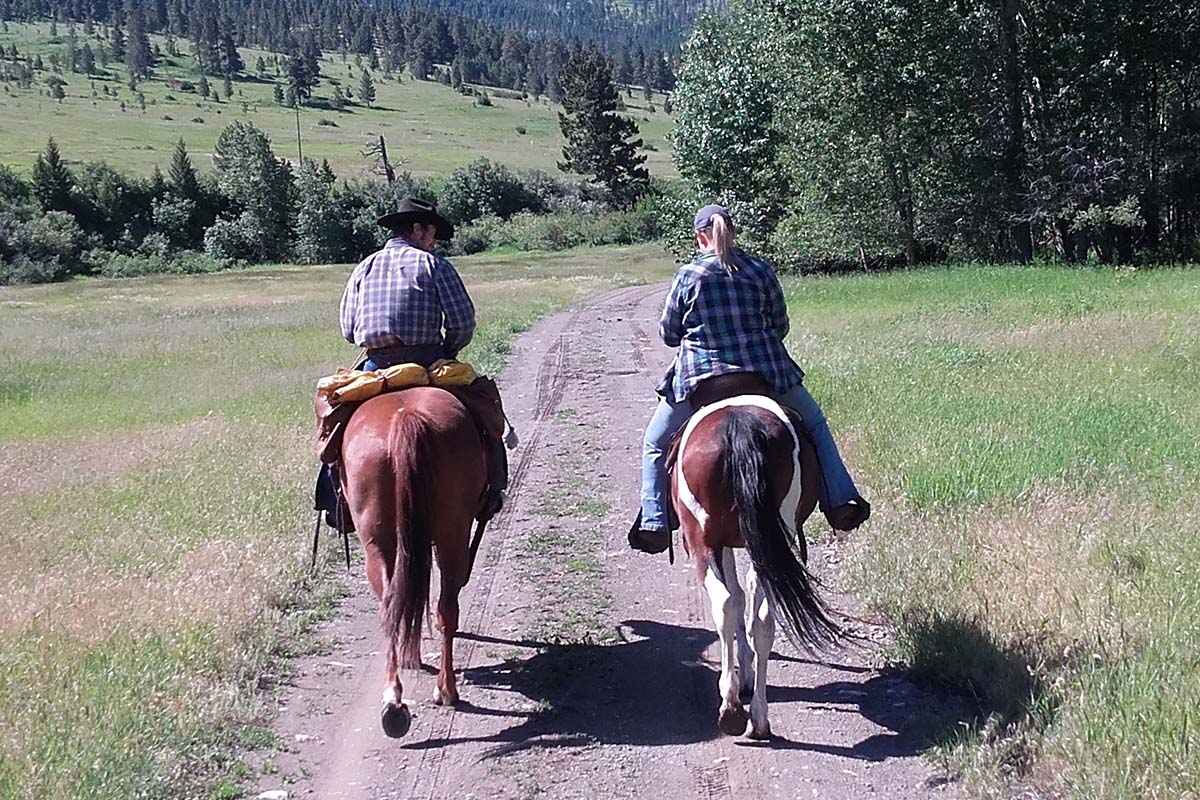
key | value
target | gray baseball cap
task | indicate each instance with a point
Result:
(704, 216)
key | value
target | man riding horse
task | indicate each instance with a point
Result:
(406, 304)
(726, 315)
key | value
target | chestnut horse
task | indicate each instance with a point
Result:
(413, 475)
(744, 478)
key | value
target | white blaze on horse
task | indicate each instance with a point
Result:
(744, 478)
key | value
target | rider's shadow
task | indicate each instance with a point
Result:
(655, 687)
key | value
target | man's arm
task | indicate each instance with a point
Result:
(350, 304)
(456, 304)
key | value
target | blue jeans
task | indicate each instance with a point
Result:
(837, 487)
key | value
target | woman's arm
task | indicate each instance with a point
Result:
(679, 300)
(777, 306)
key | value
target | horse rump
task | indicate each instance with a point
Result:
(746, 443)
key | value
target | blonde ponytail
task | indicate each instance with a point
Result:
(722, 239)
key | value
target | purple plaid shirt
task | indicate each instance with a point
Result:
(723, 323)
(403, 296)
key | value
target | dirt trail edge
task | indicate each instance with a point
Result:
(588, 670)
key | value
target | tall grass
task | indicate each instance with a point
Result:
(157, 442)
(1032, 439)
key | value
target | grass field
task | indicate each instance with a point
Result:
(1031, 438)
(430, 126)
(156, 437)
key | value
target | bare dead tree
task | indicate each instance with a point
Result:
(377, 150)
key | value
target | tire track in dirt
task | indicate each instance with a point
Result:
(553, 376)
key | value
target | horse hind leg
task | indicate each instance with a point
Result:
(445, 693)
(762, 630)
(745, 655)
(732, 718)
(395, 716)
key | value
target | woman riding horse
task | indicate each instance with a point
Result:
(726, 314)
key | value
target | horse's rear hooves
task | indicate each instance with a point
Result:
(760, 734)
(396, 720)
(732, 721)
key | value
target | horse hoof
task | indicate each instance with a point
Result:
(733, 721)
(396, 720)
(444, 698)
(762, 733)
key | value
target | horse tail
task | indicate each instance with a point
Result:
(805, 619)
(407, 595)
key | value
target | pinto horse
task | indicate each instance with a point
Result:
(743, 477)
(413, 475)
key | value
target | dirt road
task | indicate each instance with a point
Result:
(587, 669)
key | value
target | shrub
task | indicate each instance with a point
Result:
(198, 120)
(521, 131)
(483, 188)
(232, 239)
(325, 122)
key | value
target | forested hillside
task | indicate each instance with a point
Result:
(652, 24)
(522, 56)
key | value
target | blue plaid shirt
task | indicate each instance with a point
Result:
(403, 296)
(726, 322)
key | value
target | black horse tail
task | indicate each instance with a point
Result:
(406, 597)
(773, 551)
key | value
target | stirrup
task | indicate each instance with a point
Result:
(648, 541)
(850, 515)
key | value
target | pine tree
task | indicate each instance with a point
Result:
(117, 37)
(184, 181)
(87, 59)
(301, 78)
(57, 92)
(366, 88)
(599, 142)
(228, 88)
(139, 58)
(278, 95)
(202, 88)
(260, 67)
(52, 181)
(231, 59)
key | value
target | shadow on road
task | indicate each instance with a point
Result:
(655, 688)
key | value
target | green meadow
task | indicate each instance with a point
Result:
(430, 128)
(157, 442)
(1031, 440)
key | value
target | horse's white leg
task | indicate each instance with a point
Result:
(762, 630)
(745, 656)
(732, 718)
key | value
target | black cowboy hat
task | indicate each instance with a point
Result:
(412, 210)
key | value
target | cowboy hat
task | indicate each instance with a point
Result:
(412, 210)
